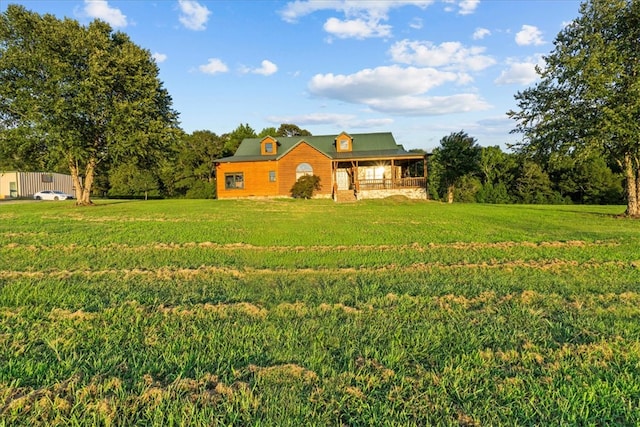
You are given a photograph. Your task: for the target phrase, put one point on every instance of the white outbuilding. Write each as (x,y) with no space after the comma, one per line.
(20,185)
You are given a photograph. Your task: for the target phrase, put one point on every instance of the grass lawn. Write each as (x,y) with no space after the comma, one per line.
(306,312)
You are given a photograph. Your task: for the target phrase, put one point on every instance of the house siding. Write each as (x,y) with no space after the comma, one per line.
(256,179)
(304,153)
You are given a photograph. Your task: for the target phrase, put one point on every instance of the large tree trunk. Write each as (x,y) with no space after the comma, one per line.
(83,188)
(631,186)
(637,186)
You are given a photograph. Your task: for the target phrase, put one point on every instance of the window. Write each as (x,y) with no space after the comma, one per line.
(303,169)
(344,145)
(234,181)
(268,147)
(272,176)
(47,177)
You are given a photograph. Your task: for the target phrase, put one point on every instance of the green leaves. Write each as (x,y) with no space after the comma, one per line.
(91,96)
(588,99)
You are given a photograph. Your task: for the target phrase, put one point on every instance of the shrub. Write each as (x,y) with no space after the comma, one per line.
(305,186)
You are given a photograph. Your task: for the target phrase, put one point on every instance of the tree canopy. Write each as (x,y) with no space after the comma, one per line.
(458,154)
(588,98)
(79,96)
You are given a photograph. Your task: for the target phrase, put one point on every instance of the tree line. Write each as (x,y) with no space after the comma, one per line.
(461,170)
(88,101)
(188,167)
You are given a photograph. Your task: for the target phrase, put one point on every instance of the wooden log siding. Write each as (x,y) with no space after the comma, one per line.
(256,174)
(304,153)
(256,179)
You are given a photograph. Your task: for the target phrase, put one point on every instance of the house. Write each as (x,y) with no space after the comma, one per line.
(15,185)
(350,167)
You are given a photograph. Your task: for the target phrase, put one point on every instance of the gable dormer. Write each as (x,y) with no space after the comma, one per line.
(344,143)
(268,146)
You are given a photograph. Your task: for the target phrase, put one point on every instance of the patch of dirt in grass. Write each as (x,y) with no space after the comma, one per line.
(224,310)
(14,234)
(283,374)
(59,313)
(339,306)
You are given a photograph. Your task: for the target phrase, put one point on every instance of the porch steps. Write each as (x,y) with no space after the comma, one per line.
(345,196)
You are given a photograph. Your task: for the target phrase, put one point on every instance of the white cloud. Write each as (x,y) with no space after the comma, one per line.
(520,72)
(382,82)
(159,57)
(450,55)
(356,28)
(193,15)
(100,9)
(214,66)
(362,18)
(529,35)
(341,121)
(376,8)
(396,90)
(481,33)
(467,7)
(431,106)
(267,68)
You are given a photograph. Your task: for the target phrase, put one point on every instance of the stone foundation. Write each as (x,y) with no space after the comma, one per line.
(409,193)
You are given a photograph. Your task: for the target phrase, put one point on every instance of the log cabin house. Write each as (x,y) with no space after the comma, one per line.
(350,167)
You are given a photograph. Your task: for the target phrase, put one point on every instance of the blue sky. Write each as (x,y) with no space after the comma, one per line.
(419,69)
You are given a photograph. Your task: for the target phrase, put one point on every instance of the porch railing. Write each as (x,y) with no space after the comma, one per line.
(390,184)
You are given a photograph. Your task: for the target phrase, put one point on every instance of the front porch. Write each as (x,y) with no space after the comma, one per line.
(359,179)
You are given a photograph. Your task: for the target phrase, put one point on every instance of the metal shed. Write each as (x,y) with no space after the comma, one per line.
(15,185)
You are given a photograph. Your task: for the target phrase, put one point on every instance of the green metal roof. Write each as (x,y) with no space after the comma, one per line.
(365,145)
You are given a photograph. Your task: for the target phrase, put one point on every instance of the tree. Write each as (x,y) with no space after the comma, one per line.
(270,131)
(588,99)
(81,96)
(586,180)
(194,166)
(534,186)
(288,129)
(457,155)
(129,179)
(234,138)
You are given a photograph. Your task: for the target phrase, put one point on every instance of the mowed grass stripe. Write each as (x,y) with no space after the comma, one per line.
(312,248)
(204,272)
(33,258)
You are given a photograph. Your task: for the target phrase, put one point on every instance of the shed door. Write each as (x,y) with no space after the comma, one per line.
(342,178)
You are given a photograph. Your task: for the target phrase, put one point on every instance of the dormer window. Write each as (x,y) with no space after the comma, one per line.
(344,143)
(268,146)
